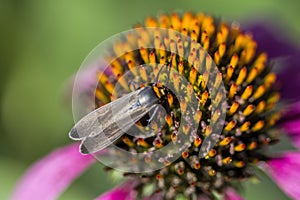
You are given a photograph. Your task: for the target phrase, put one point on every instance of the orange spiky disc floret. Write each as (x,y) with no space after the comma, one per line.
(250,93)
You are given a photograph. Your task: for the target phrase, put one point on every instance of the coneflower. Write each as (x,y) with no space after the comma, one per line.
(251,112)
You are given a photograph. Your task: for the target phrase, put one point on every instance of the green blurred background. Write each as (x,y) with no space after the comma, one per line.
(43,44)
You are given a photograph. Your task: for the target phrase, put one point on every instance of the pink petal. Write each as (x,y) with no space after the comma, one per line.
(86,77)
(292,127)
(230,194)
(50,176)
(126,192)
(285,171)
(123,192)
(155,196)
(290,123)
(292,130)
(271,39)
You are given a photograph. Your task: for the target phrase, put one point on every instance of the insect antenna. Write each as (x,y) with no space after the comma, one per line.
(169,66)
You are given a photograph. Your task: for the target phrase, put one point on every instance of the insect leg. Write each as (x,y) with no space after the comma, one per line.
(152,116)
(133,85)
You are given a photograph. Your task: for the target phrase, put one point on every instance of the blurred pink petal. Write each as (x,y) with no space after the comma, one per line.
(272,39)
(203,198)
(154,196)
(86,77)
(230,194)
(123,192)
(290,123)
(50,176)
(289,78)
(285,171)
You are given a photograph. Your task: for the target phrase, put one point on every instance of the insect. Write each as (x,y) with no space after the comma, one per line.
(103,126)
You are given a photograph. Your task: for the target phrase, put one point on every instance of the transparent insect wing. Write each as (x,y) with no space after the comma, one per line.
(106,124)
